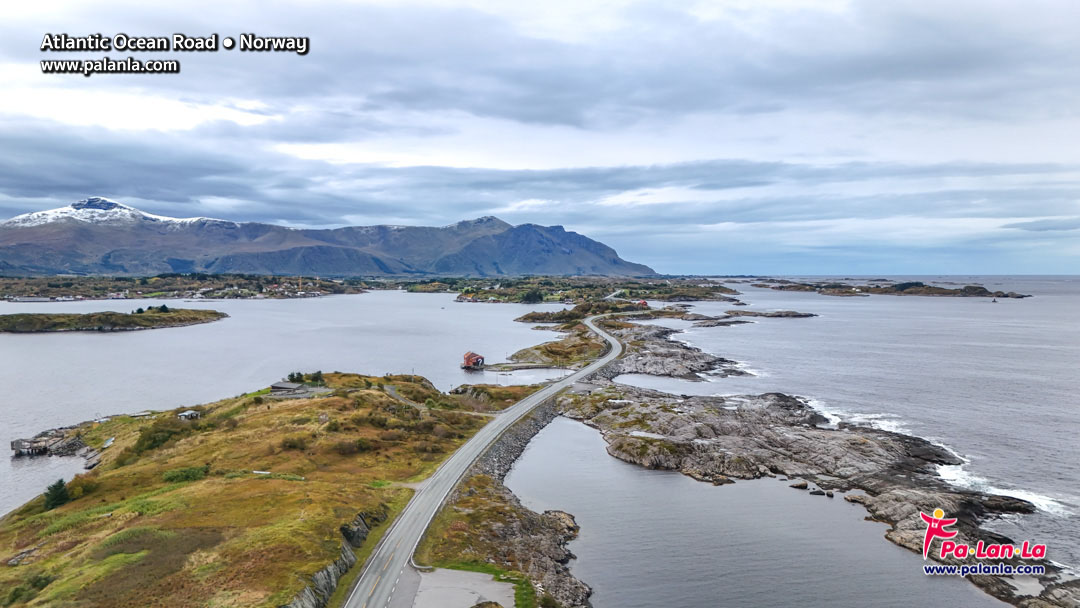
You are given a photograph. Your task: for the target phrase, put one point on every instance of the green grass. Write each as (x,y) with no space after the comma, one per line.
(379,483)
(524,593)
(86,576)
(139,504)
(139,533)
(76,519)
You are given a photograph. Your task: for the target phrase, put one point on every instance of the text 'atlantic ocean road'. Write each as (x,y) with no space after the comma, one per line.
(177,43)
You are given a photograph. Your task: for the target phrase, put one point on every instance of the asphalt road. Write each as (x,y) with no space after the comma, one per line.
(393,557)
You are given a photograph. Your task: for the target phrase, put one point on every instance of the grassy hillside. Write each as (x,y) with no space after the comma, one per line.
(577,348)
(154,318)
(176,514)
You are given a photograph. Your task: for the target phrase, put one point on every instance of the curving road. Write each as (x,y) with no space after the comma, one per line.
(392,558)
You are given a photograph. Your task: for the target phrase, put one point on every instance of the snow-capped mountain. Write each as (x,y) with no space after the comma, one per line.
(96,210)
(101,236)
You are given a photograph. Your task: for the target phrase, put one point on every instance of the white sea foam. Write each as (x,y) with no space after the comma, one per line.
(957,476)
(750,370)
(833,417)
(882,421)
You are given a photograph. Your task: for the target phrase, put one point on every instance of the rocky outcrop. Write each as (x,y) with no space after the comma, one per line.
(324,582)
(649,351)
(776,314)
(721,322)
(24,555)
(357,530)
(718,439)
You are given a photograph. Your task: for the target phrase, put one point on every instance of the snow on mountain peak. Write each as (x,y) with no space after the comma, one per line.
(97,202)
(97,210)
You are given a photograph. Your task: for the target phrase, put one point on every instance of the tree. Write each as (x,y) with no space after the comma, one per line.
(317,377)
(56,495)
(533,296)
(139,311)
(163,308)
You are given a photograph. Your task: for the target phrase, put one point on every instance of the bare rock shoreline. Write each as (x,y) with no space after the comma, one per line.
(651,352)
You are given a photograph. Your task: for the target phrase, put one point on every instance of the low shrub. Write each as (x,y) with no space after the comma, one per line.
(81,486)
(162,431)
(392,435)
(186,474)
(427,447)
(356,446)
(294,442)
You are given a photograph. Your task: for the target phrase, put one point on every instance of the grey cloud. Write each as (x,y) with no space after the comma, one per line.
(175,173)
(914,58)
(1072,223)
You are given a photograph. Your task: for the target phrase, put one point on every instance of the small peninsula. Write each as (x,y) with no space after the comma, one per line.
(265,499)
(155,317)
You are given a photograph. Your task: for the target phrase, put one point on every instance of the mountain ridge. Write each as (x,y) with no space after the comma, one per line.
(101,236)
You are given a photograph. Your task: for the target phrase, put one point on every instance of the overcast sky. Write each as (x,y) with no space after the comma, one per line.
(863,137)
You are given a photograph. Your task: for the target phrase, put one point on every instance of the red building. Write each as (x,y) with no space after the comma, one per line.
(473,361)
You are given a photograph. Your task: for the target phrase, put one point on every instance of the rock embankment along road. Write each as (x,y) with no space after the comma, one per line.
(392,558)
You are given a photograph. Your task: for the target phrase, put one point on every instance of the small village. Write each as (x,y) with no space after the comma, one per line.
(176,286)
(282,290)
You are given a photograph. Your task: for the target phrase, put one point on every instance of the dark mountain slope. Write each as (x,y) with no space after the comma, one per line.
(99,236)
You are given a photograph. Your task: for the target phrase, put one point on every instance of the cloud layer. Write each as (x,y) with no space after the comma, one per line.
(736,137)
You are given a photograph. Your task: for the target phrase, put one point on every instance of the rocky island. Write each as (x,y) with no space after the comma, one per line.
(886,287)
(154,317)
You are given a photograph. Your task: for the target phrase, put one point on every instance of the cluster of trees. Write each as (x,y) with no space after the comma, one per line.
(533,296)
(139,311)
(301,377)
(56,495)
